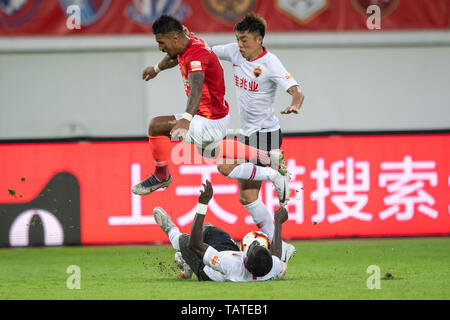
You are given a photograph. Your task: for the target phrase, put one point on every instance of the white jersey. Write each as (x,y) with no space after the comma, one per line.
(229,266)
(256,85)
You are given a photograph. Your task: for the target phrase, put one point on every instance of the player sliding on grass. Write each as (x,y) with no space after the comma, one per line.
(211,253)
(206,118)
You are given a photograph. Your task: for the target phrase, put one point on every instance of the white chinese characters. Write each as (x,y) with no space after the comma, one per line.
(405,181)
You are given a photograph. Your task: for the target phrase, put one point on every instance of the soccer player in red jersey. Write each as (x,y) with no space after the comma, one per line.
(206,119)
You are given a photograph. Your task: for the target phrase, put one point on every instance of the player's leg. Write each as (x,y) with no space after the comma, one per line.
(167,225)
(255,173)
(192,259)
(262,148)
(233,149)
(160,147)
(174,234)
(218,239)
(249,198)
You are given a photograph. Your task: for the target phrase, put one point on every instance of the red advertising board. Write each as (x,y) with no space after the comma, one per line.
(341,187)
(107,17)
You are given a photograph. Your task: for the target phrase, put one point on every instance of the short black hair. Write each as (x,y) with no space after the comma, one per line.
(253,24)
(259,262)
(166,24)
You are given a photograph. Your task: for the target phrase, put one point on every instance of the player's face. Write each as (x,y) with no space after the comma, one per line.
(168,43)
(250,45)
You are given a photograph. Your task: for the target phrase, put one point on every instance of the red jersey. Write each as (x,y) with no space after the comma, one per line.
(198,57)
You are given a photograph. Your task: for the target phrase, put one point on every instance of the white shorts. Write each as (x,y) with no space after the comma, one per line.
(206,133)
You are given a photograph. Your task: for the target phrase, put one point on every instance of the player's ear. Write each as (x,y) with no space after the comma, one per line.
(259,39)
(177,36)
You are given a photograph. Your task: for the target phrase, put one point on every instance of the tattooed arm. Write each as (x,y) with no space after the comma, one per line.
(196,80)
(181,126)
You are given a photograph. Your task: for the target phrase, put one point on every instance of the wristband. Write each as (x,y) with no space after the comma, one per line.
(187,116)
(157,69)
(202,208)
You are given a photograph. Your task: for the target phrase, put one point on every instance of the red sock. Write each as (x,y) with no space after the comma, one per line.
(233,149)
(161,147)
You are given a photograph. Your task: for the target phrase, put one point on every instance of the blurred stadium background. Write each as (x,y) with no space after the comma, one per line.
(369,149)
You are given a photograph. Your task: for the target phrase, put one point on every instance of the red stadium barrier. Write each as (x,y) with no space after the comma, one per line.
(107,17)
(347,186)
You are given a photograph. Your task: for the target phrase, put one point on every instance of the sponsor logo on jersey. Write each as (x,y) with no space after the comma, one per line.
(215,261)
(91,10)
(257,71)
(147,11)
(302,11)
(287,76)
(14,13)
(196,66)
(386,6)
(229,11)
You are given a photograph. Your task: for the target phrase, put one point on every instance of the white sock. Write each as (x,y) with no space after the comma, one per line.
(283,250)
(174,236)
(249,171)
(262,217)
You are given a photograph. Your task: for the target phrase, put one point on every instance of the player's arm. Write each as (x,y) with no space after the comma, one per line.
(280,216)
(181,126)
(297,100)
(196,80)
(166,63)
(225,52)
(196,243)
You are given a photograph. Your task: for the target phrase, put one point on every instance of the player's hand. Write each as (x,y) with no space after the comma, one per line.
(290,109)
(179,130)
(281,215)
(187,32)
(207,193)
(149,73)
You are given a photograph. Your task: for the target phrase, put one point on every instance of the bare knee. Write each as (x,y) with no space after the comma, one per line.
(225,169)
(154,127)
(245,198)
(159,126)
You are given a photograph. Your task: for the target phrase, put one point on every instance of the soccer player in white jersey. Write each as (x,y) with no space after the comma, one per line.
(257,74)
(213,256)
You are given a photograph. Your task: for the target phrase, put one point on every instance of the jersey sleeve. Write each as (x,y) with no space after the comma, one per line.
(225,52)
(218,261)
(197,61)
(280,75)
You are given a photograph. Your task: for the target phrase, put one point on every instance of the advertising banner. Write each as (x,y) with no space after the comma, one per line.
(107,17)
(366,186)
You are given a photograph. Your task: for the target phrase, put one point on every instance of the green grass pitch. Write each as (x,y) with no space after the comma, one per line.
(420,269)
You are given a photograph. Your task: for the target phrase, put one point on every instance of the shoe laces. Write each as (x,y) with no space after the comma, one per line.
(150,182)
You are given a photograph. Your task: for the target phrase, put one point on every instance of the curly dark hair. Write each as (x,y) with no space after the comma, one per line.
(253,24)
(166,24)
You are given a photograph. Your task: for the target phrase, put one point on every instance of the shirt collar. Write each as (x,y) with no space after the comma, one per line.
(261,55)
